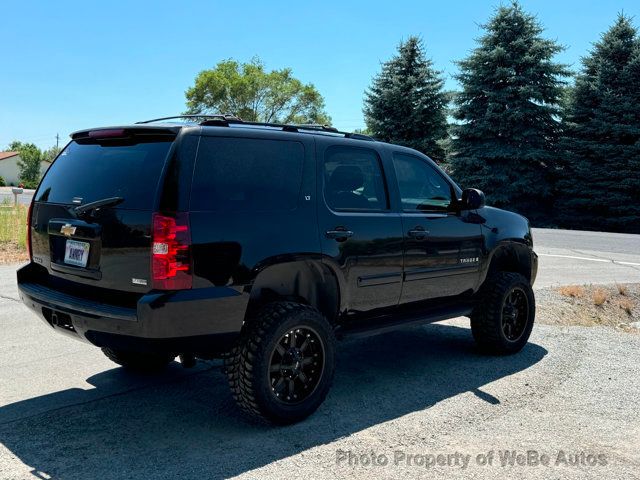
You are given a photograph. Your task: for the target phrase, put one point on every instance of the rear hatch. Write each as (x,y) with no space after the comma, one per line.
(91,223)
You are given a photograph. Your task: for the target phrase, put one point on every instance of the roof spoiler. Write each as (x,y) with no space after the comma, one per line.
(124,133)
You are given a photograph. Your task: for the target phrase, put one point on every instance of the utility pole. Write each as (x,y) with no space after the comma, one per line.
(57,140)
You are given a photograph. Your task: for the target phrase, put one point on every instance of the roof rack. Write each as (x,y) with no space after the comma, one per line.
(220,120)
(203,116)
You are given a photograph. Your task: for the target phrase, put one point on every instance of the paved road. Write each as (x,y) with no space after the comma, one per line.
(6,196)
(574,257)
(67,413)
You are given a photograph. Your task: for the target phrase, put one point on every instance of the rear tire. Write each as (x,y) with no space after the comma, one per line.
(138,361)
(502,321)
(282,366)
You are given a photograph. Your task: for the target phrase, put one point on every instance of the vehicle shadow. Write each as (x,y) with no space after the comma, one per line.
(188,426)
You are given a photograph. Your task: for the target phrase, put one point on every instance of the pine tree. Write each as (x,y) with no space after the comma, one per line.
(600,183)
(406,104)
(505,140)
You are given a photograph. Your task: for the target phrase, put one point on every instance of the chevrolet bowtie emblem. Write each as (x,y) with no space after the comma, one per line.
(67,230)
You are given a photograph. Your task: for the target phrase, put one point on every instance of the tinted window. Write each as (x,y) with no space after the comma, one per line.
(353,179)
(239,174)
(95,172)
(421,186)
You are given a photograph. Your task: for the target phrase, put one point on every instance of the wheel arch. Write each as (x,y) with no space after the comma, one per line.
(510,256)
(302,280)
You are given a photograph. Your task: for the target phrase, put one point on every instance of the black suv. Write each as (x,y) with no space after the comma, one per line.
(261,244)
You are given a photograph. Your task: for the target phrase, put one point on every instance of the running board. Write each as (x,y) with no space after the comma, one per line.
(383,324)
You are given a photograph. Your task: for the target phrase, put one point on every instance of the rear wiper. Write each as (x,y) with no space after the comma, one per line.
(105,202)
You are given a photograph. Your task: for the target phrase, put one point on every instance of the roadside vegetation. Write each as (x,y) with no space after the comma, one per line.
(13,233)
(616,306)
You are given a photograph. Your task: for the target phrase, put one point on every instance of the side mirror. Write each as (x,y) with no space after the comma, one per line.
(472,199)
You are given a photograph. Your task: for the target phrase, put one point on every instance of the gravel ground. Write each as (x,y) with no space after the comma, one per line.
(572,392)
(412,398)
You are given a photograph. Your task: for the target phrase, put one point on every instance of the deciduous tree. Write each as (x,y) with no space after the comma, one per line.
(29,163)
(248,91)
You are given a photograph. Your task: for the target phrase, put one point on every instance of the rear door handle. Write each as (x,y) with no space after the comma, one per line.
(418,233)
(339,234)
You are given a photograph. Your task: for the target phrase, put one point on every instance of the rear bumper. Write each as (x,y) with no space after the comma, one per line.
(190,321)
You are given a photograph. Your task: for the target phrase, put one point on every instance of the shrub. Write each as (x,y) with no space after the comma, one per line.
(571,291)
(32,184)
(600,296)
(2,182)
(627,305)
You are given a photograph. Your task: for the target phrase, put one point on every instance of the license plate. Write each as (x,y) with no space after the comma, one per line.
(76,253)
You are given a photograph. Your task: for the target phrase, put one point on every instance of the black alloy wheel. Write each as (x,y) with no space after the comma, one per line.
(297,364)
(515,314)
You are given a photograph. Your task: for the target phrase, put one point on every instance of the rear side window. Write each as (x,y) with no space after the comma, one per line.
(247,175)
(94,172)
(353,179)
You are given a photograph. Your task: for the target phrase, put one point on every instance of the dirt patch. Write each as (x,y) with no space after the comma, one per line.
(616,306)
(11,252)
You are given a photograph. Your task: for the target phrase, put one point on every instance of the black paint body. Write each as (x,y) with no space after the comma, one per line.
(380,275)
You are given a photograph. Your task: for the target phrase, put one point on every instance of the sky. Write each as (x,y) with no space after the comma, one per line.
(74,65)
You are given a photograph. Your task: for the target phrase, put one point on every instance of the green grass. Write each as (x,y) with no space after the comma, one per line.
(13,225)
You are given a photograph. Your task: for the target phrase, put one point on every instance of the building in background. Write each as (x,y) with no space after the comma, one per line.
(9,169)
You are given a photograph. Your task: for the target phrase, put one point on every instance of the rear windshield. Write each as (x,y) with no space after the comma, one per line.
(95,172)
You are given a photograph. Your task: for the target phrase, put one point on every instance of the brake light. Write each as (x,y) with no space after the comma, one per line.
(29,213)
(107,133)
(171,255)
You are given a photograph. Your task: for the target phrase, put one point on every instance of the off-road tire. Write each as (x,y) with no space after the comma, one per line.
(487,317)
(139,361)
(248,365)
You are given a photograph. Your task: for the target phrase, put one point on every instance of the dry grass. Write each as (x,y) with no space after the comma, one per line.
(591,305)
(13,233)
(622,289)
(12,253)
(600,296)
(574,291)
(627,305)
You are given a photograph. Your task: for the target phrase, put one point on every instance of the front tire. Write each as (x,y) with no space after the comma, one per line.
(502,321)
(282,367)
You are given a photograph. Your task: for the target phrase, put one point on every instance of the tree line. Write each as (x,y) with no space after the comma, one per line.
(559,148)
(561,153)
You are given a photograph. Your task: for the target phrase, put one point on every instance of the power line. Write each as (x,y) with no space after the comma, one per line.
(30,139)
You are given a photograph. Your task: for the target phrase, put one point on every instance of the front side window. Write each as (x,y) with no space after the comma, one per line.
(421,187)
(353,180)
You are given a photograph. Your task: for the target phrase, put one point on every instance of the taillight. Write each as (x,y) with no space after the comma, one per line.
(171,255)
(29,213)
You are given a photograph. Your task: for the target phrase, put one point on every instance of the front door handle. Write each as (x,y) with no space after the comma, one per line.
(340,234)
(418,233)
